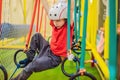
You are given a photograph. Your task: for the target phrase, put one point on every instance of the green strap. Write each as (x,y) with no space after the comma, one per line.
(112,40)
(68,25)
(84,35)
(79,15)
(75,21)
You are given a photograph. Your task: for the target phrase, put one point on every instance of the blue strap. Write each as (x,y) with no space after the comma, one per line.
(18,66)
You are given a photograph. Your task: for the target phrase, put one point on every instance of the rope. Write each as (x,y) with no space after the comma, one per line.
(68,26)
(75,21)
(0,11)
(18,66)
(45,26)
(38,16)
(84,35)
(0,15)
(41,19)
(31,25)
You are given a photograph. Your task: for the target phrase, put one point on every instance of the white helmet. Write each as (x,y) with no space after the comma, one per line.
(58,11)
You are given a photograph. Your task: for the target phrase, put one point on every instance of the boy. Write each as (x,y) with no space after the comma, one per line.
(50,55)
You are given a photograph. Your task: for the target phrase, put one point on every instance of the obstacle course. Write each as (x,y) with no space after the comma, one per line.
(95,33)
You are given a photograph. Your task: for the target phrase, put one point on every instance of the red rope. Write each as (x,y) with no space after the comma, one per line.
(0,11)
(41,19)
(31,25)
(45,26)
(0,15)
(54,2)
(37,29)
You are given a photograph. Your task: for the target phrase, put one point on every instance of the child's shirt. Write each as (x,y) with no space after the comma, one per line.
(58,43)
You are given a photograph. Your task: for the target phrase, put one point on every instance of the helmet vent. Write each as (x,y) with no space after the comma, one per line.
(58,11)
(55,14)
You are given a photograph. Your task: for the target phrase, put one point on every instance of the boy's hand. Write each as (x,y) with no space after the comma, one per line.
(70,56)
(25,50)
(82,71)
(118,30)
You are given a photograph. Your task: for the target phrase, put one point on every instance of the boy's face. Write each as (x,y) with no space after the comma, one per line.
(59,23)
